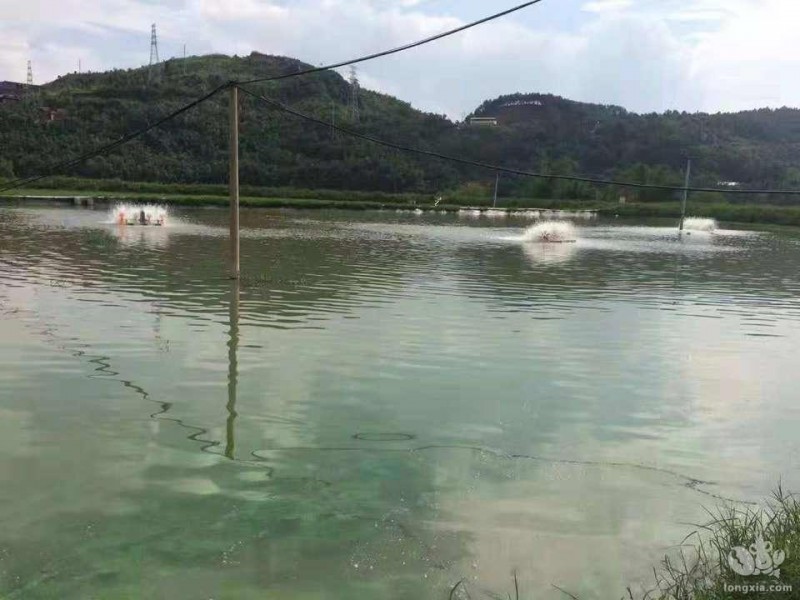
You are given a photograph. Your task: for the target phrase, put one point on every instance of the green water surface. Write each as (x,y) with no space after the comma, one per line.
(386,405)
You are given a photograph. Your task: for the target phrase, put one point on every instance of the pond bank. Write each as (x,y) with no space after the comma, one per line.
(730,213)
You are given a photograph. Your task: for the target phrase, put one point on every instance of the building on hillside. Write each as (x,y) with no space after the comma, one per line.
(11,91)
(490,121)
(523,103)
(50,115)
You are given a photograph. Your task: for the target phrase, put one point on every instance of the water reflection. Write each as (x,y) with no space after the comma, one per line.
(382,409)
(151,237)
(233,370)
(549,254)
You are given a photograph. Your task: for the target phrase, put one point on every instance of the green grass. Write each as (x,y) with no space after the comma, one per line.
(191,195)
(291,199)
(732,213)
(701,571)
(202,200)
(699,568)
(130,189)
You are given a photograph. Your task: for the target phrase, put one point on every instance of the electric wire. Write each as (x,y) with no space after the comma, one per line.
(399,49)
(497,168)
(51,169)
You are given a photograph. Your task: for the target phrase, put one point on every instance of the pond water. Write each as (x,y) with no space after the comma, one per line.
(386,405)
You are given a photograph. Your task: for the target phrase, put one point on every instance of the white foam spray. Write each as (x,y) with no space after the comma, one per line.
(551,232)
(700,224)
(131,214)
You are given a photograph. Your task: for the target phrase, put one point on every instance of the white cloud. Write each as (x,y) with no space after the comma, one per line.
(600,6)
(647,55)
(14,52)
(634,62)
(751,59)
(240,10)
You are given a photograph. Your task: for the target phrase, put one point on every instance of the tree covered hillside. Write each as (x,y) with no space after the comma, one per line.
(92,109)
(536,132)
(759,149)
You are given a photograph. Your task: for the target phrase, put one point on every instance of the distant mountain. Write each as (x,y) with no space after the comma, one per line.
(534,132)
(759,148)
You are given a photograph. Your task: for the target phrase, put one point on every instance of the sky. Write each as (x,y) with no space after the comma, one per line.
(645,55)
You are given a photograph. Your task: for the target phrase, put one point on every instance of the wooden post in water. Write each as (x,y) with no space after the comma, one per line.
(496,187)
(233,181)
(233,371)
(685,193)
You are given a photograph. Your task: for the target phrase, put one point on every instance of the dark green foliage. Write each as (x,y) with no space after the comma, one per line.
(6,169)
(732,213)
(276,150)
(541,133)
(757,148)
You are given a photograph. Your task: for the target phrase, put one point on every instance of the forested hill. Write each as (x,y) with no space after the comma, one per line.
(759,148)
(537,132)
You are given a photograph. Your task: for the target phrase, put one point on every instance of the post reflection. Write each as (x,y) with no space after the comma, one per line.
(150,237)
(233,370)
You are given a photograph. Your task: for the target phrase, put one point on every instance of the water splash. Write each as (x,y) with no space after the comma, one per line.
(549,254)
(131,214)
(551,232)
(700,224)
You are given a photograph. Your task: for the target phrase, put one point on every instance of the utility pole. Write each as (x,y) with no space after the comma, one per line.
(153,53)
(333,119)
(29,94)
(233,181)
(685,193)
(354,89)
(496,187)
(79,66)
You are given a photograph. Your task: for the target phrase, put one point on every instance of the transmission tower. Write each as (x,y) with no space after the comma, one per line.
(152,72)
(354,90)
(30,74)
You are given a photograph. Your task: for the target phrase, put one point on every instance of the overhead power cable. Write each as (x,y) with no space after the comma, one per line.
(497,168)
(399,49)
(53,168)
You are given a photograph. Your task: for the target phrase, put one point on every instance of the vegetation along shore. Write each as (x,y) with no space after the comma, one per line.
(197,195)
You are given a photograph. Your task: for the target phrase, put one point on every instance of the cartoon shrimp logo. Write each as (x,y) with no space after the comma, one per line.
(758,559)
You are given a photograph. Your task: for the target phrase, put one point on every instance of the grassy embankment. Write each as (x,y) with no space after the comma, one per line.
(217,195)
(190,195)
(731,213)
(701,568)
(760,539)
